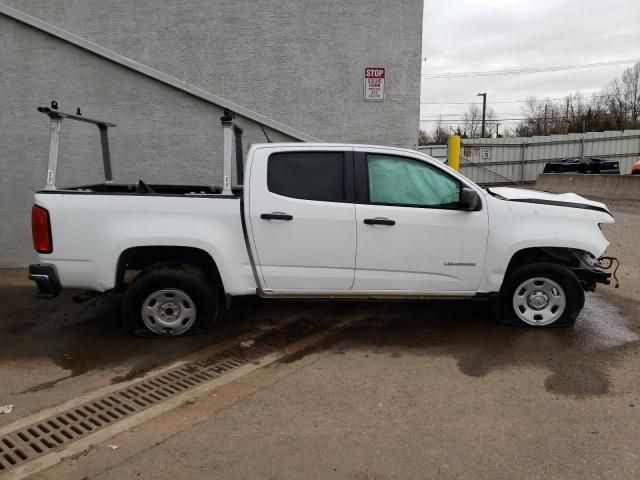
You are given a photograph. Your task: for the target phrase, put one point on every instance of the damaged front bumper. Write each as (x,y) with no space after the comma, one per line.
(591,273)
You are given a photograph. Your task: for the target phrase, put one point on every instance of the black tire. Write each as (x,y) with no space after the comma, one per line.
(189,284)
(506,313)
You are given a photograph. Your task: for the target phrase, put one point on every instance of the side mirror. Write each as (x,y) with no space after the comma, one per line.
(469,200)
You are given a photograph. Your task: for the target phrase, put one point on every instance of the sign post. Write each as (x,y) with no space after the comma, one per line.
(374,78)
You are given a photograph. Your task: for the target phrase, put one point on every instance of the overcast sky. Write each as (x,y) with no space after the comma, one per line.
(481,35)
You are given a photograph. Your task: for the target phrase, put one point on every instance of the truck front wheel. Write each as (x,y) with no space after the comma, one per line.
(540,295)
(170,301)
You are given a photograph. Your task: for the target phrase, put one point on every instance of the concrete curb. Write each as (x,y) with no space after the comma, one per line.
(625,187)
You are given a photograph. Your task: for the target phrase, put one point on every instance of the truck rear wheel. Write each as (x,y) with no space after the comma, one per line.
(170,301)
(540,295)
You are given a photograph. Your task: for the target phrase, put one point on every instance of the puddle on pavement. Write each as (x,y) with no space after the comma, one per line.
(578,380)
(577,357)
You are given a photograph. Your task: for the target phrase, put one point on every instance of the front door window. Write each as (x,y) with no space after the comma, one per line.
(406,182)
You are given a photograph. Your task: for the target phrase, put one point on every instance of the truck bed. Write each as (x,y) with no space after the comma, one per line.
(91,227)
(142,188)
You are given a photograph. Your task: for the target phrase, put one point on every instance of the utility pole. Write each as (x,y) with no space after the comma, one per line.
(484,111)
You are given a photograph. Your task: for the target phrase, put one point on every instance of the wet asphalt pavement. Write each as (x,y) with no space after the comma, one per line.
(51,350)
(54,350)
(578,359)
(411,390)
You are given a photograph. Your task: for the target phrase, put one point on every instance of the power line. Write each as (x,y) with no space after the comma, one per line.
(598,114)
(459,115)
(526,70)
(557,117)
(466,103)
(462,120)
(510,101)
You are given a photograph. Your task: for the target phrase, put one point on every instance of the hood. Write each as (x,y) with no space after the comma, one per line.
(570,200)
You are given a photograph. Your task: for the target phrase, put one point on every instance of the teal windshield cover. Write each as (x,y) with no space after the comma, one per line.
(402,181)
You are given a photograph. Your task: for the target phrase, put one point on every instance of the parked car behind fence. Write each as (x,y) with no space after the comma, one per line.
(583,165)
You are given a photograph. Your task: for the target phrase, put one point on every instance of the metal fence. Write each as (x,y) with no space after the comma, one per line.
(522,159)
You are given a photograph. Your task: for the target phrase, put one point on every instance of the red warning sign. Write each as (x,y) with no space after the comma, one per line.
(374,83)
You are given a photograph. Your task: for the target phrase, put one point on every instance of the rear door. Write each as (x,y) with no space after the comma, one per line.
(412,237)
(302,218)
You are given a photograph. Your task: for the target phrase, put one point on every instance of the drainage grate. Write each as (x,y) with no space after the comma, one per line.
(24,445)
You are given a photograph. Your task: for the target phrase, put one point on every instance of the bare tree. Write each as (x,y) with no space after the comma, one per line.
(631,82)
(543,117)
(616,107)
(623,98)
(438,136)
(506,132)
(423,137)
(440,133)
(472,121)
(490,121)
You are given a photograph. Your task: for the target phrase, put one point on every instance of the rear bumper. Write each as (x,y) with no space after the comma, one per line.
(46,278)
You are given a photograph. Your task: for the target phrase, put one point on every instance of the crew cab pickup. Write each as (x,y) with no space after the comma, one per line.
(315,220)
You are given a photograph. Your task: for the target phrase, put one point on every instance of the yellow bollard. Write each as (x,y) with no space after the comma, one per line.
(453,152)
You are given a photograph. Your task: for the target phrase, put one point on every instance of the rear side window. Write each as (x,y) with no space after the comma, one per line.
(307,175)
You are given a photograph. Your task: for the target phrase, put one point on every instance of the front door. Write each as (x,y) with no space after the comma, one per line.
(411,235)
(303,219)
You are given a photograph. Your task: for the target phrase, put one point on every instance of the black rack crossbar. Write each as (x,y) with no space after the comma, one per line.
(239,155)
(56,117)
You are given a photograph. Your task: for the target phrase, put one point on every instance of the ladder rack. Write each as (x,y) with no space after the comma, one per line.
(232,134)
(56,117)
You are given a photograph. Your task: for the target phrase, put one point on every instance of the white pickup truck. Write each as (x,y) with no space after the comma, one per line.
(315,221)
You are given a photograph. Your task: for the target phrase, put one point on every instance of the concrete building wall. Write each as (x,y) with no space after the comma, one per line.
(300,63)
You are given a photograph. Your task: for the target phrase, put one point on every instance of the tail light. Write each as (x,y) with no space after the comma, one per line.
(41,229)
